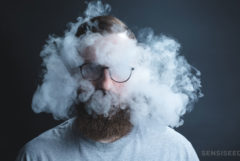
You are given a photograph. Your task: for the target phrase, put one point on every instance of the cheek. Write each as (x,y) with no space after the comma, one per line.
(119,88)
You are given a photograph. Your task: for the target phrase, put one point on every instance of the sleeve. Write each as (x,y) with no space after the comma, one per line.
(191,154)
(183,147)
(186,151)
(25,155)
(28,153)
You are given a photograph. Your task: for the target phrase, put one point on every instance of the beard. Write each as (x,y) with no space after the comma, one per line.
(102,118)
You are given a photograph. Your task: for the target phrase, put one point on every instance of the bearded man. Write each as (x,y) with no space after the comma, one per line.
(102,128)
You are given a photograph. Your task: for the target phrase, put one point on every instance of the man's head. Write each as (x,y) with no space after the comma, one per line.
(110,118)
(104,25)
(82,68)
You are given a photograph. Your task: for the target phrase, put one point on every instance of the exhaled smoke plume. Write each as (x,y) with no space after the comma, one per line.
(162,87)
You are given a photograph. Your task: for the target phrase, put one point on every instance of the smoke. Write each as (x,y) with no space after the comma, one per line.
(162,88)
(96,9)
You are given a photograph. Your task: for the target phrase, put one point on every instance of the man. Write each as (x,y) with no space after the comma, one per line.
(103,128)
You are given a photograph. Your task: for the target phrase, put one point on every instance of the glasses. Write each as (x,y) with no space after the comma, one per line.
(93,72)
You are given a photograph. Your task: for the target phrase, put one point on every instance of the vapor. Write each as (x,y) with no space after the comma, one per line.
(162,88)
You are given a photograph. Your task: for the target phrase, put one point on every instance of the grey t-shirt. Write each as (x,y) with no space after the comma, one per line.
(62,144)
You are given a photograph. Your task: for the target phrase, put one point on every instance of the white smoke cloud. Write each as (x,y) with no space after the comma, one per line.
(162,88)
(96,9)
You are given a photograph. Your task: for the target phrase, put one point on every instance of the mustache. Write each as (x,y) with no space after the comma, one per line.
(99,102)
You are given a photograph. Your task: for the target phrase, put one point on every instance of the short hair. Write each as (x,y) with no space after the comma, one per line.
(104,24)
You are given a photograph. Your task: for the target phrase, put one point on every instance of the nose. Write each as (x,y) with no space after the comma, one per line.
(105,83)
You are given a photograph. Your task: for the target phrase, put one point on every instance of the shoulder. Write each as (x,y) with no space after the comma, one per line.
(47,143)
(180,145)
(175,137)
(171,144)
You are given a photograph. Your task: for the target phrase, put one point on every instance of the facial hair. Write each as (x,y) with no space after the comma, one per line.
(115,124)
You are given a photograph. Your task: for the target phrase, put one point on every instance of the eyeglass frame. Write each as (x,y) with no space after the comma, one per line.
(101,75)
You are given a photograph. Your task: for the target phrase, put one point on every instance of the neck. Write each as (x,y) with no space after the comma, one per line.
(109,140)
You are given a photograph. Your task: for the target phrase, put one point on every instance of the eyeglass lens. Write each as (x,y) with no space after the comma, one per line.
(93,72)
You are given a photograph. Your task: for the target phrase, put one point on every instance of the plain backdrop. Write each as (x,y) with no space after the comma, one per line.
(208,31)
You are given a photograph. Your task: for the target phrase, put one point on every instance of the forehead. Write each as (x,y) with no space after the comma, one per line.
(104,47)
(112,50)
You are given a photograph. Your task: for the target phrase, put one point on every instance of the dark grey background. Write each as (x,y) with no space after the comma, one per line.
(208,31)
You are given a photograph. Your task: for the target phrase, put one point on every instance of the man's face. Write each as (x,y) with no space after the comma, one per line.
(104,81)
(106,68)
(105,108)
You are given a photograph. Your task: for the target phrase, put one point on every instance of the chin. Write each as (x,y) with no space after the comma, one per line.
(99,127)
